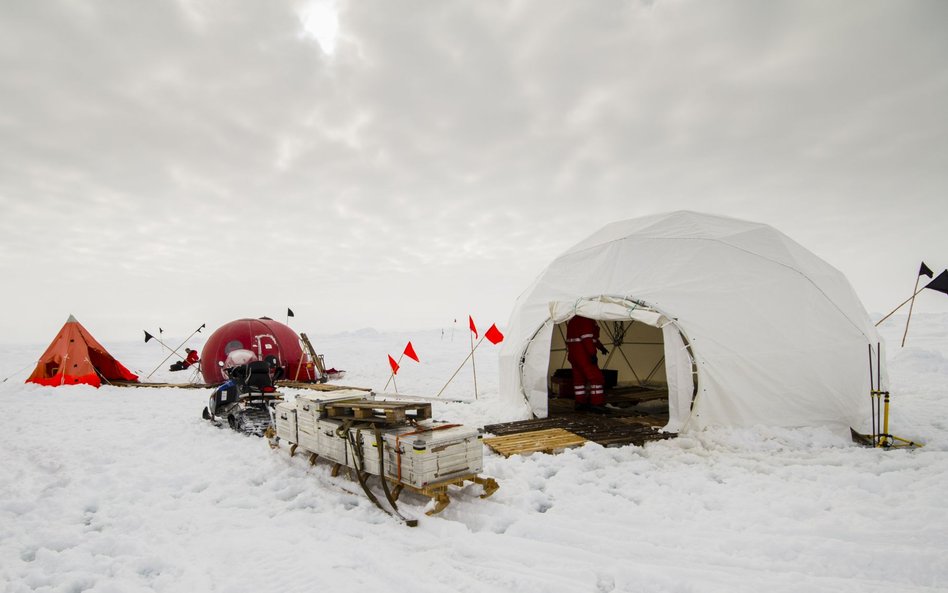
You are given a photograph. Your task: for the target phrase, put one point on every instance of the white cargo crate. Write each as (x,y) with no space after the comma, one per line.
(309,408)
(305,423)
(364,437)
(329,445)
(421,457)
(308,442)
(285,413)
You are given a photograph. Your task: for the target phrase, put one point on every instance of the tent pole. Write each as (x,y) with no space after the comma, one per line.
(879,366)
(559,328)
(879,393)
(616,342)
(655,368)
(912,306)
(872,397)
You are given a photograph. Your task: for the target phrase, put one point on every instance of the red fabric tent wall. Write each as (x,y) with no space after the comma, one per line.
(74,356)
(264,337)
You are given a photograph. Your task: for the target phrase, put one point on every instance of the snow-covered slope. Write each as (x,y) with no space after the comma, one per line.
(125,490)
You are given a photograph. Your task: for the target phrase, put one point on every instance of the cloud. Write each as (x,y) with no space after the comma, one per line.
(203,160)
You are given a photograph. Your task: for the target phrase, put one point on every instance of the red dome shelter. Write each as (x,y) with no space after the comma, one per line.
(264,337)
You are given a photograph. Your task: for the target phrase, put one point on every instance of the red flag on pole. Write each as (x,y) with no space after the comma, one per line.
(473,328)
(494,335)
(393,364)
(410,352)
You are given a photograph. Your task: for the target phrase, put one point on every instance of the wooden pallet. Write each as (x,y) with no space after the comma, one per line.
(382,412)
(318,386)
(550,440)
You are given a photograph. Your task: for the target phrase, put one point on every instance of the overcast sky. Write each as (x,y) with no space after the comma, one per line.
(170,163)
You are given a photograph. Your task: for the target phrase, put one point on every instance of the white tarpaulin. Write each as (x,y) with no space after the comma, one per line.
(777,336)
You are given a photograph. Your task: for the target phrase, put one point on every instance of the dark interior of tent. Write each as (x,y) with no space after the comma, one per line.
(636,385)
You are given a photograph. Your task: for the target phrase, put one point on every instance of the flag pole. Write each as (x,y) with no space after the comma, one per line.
(473,366)
(459,368)
(175,351)
(912,306)
(165,345)
(892,312)
(391,377)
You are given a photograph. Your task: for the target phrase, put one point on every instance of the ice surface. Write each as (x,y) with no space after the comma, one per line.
(126,490)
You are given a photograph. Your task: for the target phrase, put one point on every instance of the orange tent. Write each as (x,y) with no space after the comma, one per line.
(76,357)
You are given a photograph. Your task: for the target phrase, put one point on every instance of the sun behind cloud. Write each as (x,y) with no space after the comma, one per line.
(320,20)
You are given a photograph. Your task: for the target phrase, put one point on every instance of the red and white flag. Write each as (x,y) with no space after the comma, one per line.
(410,352)
(493,334)
(393,364)
(471,322)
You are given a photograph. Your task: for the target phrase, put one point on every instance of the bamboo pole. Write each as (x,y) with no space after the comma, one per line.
(166,346)
(473,366)
(878,323)
(460,367)
(912,306)
(391,376)
(175,351)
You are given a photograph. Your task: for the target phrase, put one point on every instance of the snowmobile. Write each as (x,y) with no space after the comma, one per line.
(246,399)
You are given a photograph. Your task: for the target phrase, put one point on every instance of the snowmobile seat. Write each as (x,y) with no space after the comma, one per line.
(258,376)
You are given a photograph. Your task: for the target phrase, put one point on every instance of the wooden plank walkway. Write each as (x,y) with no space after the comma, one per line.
(550,440)
(289,384)
(317,386)
(600,429)
(143,384)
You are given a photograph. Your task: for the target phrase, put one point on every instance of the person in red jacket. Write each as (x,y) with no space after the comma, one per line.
(191,358)
(582,341)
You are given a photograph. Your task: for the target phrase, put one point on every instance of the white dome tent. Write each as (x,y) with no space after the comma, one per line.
(748,326)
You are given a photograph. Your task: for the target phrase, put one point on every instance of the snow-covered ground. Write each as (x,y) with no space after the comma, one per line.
(126,490)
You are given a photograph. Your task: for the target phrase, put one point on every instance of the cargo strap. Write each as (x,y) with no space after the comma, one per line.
(355,444)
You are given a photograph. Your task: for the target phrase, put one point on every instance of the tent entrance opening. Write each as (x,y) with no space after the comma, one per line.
(636,384)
